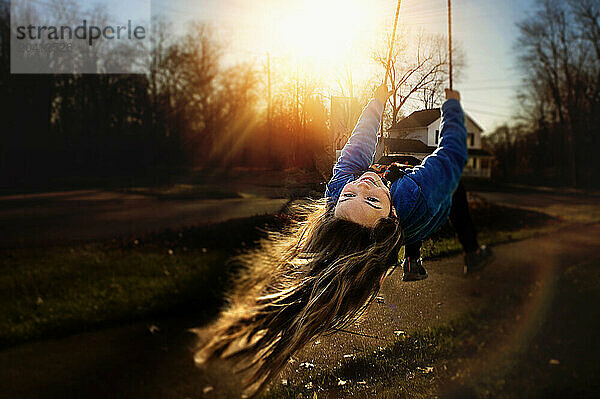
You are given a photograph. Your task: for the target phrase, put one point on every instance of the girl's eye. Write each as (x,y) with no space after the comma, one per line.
(349,195)
(372,199)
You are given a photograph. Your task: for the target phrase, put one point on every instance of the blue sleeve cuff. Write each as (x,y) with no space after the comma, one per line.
(452,105)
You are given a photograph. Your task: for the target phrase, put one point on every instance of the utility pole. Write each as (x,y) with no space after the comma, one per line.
(297,95)
(297,127)
(450,40)
(305,96)
(269,130)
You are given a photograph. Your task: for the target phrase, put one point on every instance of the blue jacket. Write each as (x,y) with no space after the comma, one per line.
(423,195)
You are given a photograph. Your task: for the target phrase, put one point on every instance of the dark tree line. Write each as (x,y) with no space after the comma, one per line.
(192,109)
(556,136)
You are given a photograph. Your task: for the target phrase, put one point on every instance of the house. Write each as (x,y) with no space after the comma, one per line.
(418,135)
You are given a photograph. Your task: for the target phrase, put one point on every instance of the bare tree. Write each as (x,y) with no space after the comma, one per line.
(416,71)
(560,53)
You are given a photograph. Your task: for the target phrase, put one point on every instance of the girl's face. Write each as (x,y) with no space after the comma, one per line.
(364,200)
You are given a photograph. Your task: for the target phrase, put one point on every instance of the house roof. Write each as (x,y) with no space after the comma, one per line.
(418,119)
(423,118)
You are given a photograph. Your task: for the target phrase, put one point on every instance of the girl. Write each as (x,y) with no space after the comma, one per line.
(322,272)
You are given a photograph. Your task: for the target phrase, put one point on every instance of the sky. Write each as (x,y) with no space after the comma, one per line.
(332,34)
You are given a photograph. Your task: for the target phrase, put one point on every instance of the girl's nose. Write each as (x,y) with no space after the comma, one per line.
(362,185)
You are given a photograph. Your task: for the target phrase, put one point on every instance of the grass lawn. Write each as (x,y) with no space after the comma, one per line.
(48,292)
(52,291)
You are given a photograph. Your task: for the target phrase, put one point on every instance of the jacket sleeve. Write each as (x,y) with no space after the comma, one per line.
(357,155)
(439,173)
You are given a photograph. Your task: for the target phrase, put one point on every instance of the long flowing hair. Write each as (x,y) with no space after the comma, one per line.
(313,278)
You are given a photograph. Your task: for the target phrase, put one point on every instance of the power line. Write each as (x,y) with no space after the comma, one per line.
(491,88)
(474,110)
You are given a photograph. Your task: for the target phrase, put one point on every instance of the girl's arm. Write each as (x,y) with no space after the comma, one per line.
(357,155)
(439,173)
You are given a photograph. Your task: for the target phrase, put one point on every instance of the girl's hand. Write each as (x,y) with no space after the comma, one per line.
(382,93)
(452,94)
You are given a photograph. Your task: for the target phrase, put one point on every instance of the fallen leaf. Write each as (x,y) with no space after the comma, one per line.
(380,299)
(207,389)
(309,385)
(153,329)
(307,365)
(284,382)
(554,362)
(425,370)
(341,382)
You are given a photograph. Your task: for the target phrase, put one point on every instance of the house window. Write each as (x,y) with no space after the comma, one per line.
(437,136)
(471,137)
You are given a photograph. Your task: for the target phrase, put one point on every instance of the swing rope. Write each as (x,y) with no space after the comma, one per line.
(393,38)
(389,60)
(450,42)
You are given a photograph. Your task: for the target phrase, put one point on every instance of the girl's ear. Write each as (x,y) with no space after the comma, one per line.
(393,213)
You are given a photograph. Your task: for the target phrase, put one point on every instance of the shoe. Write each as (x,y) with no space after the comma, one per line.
(413,270)
(477,260)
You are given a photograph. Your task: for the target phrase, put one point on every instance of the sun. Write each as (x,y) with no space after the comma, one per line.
(324,30)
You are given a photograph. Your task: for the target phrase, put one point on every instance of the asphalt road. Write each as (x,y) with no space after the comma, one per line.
(569,207)
(87,215)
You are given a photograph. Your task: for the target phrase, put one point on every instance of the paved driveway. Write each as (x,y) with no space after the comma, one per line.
(75,216)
